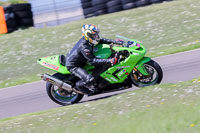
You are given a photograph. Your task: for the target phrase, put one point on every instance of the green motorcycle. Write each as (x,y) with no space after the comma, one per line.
(133,68)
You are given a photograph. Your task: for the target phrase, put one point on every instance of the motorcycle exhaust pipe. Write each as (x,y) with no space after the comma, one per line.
(57,82)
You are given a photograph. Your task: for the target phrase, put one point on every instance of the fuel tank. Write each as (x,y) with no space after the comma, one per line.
(102,51)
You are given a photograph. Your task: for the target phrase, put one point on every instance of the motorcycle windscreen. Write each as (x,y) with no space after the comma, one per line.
(102,51)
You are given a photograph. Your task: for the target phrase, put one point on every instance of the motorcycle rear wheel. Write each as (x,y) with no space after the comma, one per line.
(155,75)
(61,96)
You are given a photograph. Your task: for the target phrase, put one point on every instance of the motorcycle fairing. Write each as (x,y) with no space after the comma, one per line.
(140,65)
(102,51)
(119,72)
(115,74)
(52,62)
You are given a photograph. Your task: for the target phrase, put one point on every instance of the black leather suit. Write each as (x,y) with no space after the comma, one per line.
(82,53)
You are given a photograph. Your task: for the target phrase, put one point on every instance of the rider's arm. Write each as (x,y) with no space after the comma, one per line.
(87,53)
(109,41)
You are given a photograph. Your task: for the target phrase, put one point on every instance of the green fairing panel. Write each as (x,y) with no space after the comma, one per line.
(119,72)
(140,65)
(52,62)
(102,51)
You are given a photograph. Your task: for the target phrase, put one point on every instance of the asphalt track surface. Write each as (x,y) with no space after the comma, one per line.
(32,97)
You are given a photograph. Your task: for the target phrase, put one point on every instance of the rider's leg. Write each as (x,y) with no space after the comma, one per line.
(85,78)
(98,70)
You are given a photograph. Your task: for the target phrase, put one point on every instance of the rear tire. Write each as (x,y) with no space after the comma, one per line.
(24,14)
(100,12)
(156,1)
(86,5)
(11,23)
(25,22)
(115,9)
(21,7)
(98,2)
(8,9)
(142,3)
(88,11)
(113,3)
(58,97)
(155,75)
(129,6)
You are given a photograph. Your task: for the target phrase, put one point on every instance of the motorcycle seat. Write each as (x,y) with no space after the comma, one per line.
(62,60)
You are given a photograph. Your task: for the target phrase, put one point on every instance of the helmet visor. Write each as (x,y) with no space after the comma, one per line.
(94,36)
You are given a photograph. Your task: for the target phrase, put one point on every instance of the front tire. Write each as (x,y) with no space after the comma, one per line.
(61,96)
(155,75)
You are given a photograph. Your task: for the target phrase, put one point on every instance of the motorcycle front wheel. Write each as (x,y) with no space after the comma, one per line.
(155,75)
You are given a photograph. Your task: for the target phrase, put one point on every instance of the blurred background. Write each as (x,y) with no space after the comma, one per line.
(47,13)
(163,27)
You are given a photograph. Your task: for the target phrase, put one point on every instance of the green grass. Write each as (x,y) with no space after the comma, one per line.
(164,29)
(167,108)
(8,2)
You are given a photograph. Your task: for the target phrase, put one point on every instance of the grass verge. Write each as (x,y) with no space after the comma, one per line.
(162,108)
(8,2)
(164,28)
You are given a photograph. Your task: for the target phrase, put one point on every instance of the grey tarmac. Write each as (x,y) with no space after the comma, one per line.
(32,97)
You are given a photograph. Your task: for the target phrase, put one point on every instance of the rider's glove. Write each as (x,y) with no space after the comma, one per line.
(113,60)
(119,43)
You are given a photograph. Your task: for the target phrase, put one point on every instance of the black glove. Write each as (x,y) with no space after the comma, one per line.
(118,42)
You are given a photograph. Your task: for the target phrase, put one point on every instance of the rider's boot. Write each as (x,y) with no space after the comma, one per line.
(82,89)
(85,89)
(85,81)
